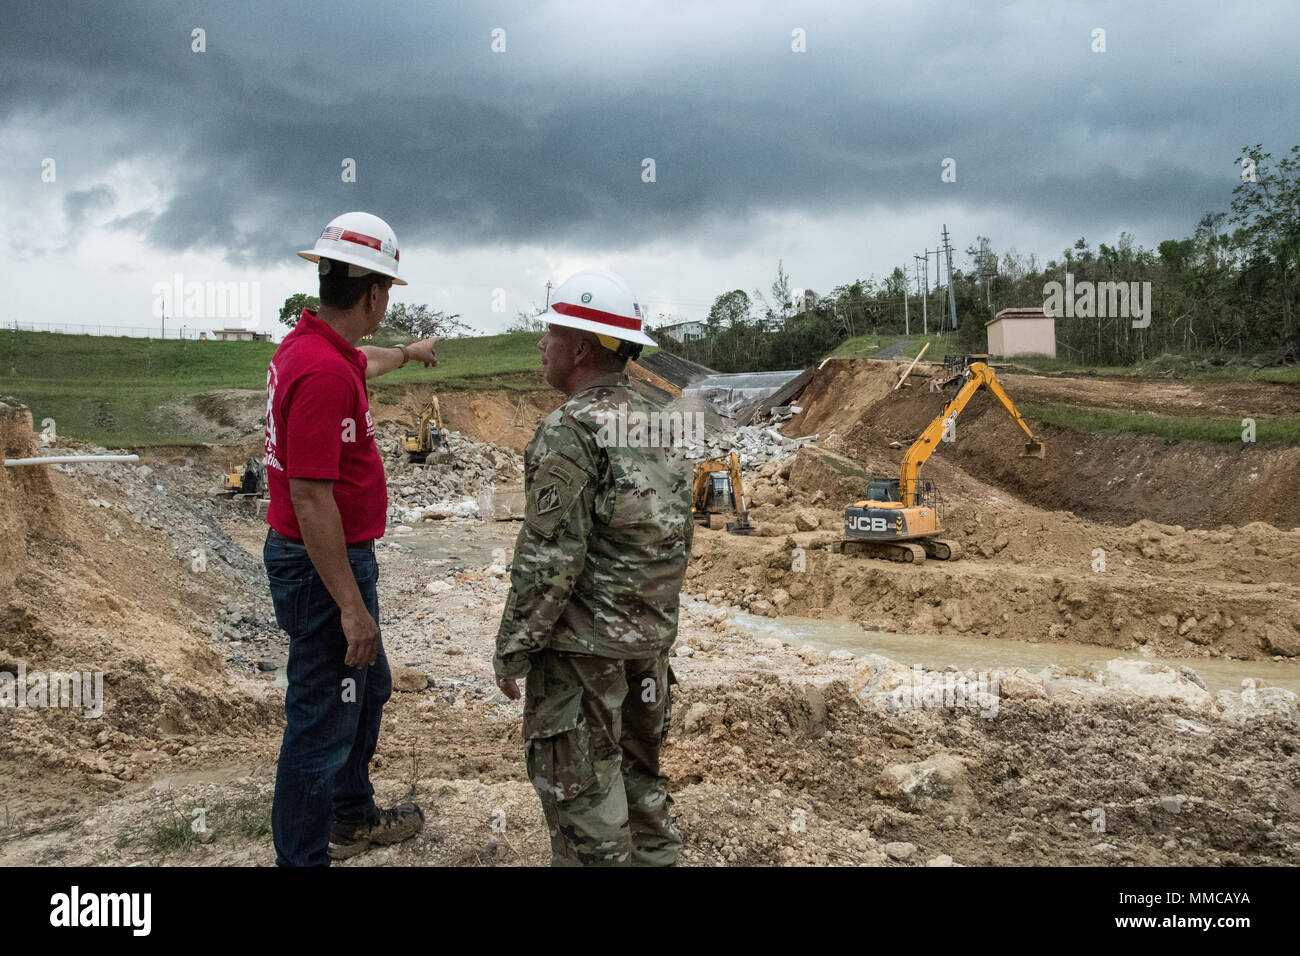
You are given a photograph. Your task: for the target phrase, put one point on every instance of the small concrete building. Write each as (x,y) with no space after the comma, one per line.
(238,335)
(1021,332)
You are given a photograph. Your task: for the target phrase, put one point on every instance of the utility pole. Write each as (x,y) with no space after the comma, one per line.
(952,298)
(907,324)
(548,296)
(924,288)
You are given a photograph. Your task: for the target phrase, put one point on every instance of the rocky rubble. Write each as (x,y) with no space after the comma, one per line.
(753,444)
(235,580)
(190,526)
(439,487)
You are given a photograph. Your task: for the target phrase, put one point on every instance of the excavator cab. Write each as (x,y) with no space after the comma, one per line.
(250,481)
(883,489)
(718,491)
(886,490)
(719,495)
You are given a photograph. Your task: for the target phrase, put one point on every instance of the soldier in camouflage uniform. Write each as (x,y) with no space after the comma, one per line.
(592,610)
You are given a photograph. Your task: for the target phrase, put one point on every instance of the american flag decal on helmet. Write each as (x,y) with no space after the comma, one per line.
(333,232)
(636,310)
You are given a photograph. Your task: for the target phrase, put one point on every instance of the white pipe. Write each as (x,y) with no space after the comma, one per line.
(63,459)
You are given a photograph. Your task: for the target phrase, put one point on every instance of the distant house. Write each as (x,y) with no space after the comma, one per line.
(683,330)
(1021,332)
(804,300)
(236,335)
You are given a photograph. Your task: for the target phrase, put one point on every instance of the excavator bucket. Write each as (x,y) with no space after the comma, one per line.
(1033,449)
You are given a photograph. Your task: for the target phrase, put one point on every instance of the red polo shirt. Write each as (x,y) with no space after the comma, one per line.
(318,425)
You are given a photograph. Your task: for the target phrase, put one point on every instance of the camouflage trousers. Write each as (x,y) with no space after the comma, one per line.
(593,727)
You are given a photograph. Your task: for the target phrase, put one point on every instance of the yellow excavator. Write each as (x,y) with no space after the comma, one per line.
(429,438)
(250,481)
(717,492)
(900,519)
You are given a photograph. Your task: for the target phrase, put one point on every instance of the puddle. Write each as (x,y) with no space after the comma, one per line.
(446,545)
(968,653)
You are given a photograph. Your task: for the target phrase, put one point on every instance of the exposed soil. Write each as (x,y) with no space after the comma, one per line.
(779,754)
(1115,479)
(501,416)
(774,759)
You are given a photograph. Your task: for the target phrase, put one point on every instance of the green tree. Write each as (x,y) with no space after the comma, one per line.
(422,321)
(293,306)
(730,308)
(781,291)
(1266,206)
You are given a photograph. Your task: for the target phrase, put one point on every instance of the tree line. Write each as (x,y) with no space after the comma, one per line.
(402,318)
(1232,287)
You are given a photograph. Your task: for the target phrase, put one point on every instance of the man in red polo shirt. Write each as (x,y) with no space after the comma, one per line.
(329,502)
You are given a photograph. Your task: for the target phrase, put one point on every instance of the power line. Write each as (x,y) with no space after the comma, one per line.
(952,298)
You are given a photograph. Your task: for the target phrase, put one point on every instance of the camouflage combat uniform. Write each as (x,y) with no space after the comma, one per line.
(590,619)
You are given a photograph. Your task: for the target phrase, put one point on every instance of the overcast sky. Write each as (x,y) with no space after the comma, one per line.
(500,170)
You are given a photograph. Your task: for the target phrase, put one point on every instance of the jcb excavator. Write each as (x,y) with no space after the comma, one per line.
(428,437)
(717,492)
(900,518)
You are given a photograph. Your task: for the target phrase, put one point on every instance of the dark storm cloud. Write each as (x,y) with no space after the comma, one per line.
(459,146)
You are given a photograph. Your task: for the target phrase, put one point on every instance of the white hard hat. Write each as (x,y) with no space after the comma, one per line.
(598,302)
(365,242)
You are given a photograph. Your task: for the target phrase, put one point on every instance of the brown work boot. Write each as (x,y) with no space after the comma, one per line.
(384,829)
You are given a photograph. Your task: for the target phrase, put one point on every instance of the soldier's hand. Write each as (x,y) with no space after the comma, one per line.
(425,350)
(362,634)
(509,686)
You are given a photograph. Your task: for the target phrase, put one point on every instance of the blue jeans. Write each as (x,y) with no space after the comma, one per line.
(332,711)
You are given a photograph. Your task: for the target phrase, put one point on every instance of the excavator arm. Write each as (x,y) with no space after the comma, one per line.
(737,485)
(423,427)
(978,376)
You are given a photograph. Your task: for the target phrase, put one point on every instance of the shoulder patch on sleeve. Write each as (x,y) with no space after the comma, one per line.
(556,487)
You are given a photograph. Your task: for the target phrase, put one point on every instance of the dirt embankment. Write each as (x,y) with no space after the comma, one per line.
(1188,549)
(1116,479)
(91,585)
(500,416)
(1151,594)
(235,418)
(27,500)
(776,756)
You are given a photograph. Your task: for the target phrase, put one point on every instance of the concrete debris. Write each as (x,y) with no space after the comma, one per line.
(753,444)
(447,484)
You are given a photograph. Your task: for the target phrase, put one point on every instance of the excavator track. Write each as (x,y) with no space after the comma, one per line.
(903,551)
(941,549)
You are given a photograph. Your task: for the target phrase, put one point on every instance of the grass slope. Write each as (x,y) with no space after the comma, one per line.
(112,390)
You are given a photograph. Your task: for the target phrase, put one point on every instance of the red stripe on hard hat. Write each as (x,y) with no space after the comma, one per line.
(363,240)
(595,315)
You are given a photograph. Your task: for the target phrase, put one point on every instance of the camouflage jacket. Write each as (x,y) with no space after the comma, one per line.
(599,561)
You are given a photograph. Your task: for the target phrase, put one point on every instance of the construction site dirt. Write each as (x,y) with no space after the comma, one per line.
(1120,563)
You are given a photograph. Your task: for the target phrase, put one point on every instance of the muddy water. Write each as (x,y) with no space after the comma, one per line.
(978,654)
(455,546)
